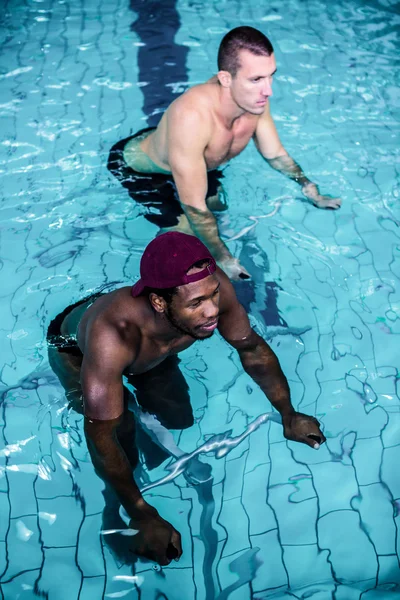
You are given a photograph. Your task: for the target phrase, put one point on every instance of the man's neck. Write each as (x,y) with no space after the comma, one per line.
(164,330)
(227,110)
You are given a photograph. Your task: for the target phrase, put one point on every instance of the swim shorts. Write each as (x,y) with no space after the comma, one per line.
(67,343)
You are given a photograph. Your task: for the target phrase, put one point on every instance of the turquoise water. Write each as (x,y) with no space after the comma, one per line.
(277,519)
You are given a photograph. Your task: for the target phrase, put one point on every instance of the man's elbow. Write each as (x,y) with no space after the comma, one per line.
(250,343)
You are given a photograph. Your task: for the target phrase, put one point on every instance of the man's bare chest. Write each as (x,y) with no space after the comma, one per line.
(228,143)
(152,354)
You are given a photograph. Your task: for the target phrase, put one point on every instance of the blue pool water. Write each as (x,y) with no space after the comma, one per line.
(277,520)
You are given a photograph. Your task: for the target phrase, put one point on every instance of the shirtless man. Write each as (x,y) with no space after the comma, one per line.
(201,131)
(134,331)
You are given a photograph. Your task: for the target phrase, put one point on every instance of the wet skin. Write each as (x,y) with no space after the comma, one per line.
(209,125)
(118,335)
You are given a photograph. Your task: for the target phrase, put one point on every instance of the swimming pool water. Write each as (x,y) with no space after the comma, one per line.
(277,520)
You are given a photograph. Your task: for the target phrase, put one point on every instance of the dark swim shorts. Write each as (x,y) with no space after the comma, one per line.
(155,191)
(67,343)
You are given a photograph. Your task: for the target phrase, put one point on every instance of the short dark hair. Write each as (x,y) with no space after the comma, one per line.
(241,38)
(166,293)
(169,293)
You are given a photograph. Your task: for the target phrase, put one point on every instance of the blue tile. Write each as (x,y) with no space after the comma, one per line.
(261,515)
(367,460)
(382,531)
(389,472)
(237,529)
(24,551)
(93,588)
(340,533)
(62,562)
(64,529)
(22,494)
(5,510)
(272,573)
(389,571)
(236,572)
(69,77)
(3,556)
(21,586)
(307,566)
(336,476)
(89,555)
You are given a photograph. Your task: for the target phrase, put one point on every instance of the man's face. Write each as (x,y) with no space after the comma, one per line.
(194,309)
(252,85)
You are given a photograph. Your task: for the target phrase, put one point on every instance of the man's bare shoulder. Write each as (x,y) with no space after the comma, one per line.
(115,316)
(197,103)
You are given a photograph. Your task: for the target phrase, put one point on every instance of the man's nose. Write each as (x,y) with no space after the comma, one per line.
(211,309)
(268,88)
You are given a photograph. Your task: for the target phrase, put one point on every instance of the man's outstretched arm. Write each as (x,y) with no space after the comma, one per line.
(105,359)
(187,140)
(261,363)
(270,147)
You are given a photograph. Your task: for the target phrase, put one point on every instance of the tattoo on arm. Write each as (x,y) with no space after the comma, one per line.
(204,225)
(287,166)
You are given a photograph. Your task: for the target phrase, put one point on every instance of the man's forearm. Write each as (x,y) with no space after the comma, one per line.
(204,225)
(112,464)
(289,167)
(261,363)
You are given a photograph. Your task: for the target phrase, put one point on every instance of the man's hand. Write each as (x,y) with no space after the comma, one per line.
(232,267)
(303,428)
(311,192)
(156,539)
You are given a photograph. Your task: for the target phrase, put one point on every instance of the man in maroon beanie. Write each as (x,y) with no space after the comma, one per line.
(137,332)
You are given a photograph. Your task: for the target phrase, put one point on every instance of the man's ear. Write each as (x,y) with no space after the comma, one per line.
(158,303)
(225,78)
